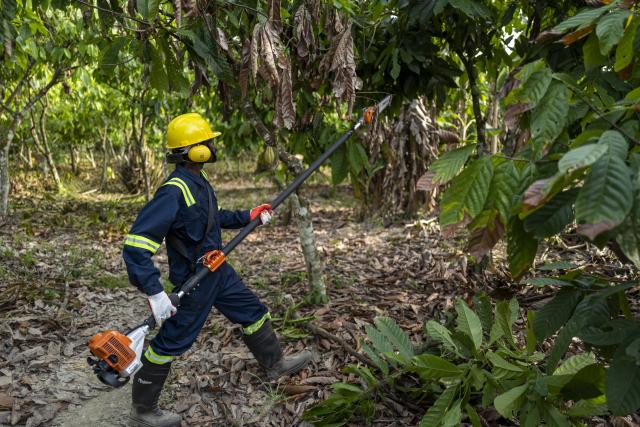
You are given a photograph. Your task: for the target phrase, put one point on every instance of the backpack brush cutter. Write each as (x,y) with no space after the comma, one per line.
(117,356)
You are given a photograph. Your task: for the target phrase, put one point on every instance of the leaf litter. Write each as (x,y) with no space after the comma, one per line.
(405,271)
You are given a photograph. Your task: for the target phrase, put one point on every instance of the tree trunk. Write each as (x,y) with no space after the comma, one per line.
(103,175)
(475,98)
(91,157)
(74,159)
(309,251)
(4,179)
(305,227)
(41,141)
(494,114)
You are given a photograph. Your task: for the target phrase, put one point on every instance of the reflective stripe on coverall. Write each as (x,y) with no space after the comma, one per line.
(180,207)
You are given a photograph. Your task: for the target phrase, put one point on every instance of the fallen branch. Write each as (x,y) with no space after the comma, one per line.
(316,330)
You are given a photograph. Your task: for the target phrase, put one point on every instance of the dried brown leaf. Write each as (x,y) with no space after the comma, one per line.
(574,36)
(274,15)
(254,52)
(448,137)
(547,36)
(512,114)
(591,231)
(243,78)
(304,33)
(285,109)
(535,195)
(483,239)
(425,183)
(293,389)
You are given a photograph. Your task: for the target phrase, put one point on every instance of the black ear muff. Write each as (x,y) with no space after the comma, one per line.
(174,157)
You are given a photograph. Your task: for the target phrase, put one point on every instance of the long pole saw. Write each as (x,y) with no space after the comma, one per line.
(116,356)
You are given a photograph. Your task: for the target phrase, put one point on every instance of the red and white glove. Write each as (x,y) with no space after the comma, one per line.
(263,211)
(161,307)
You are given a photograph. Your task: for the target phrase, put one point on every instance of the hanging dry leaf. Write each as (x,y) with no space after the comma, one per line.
(221,39)
(285,110)
(243,78)
(274,15)
(254,52)
(270,48)
(304,33)
(339,60)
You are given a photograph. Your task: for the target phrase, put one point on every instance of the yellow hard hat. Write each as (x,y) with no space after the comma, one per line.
(188,129)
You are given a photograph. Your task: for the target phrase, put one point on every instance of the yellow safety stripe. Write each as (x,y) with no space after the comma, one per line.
(186,193)
(204,174)
(257,325)
(156,358)
(141,242)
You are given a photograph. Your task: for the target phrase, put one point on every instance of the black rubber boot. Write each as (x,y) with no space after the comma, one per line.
(265,347)
(147,385)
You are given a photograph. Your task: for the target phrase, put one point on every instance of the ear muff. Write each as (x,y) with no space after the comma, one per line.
(199,153)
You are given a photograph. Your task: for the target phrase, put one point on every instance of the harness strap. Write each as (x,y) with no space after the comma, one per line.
(180,246)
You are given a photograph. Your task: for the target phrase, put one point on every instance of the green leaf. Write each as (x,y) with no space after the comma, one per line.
(521,247)
(375,357)
(474,418)
(554,417)
(582,19)
(629,236)
(148,9)
(157,74)
(440,334)
(606,197)
(395,335)
(623,385)
(567,370)
(618,146)
(471,8)
(429,366)
(585,408)
(450,163)
(363,372)
(549,117)
(532,90)
(482,305)
(395,69)
(466,196)
(339,166)
(624,51)
(109,56)
(510,402)
(357,156)
(453,416)
(555,313)
(468,322)
(499,362)
(380,343)
(581,157)
(544,281)
(559,265)
(593,59)
(177,81)
(610,29)
(436,412)
(504,186)
(552,217)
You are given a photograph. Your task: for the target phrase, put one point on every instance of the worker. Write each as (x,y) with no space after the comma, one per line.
(184,212)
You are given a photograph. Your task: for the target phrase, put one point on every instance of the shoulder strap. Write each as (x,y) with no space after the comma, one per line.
(179,245)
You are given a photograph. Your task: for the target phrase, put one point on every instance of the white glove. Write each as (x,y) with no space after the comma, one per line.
(161,307)
(265,217)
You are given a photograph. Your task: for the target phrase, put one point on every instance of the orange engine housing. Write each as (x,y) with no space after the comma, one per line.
(114,348)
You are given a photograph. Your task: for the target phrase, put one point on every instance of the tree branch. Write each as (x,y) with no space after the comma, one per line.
(43,91)
(475,97)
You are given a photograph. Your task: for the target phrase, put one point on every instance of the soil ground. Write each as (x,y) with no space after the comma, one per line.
(62,280)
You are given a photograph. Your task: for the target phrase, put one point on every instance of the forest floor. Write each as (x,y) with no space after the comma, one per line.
(62,280)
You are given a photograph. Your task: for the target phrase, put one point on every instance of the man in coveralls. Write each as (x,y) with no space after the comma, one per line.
(184,211)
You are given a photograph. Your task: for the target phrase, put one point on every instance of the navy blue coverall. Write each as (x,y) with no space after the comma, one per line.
(180,207)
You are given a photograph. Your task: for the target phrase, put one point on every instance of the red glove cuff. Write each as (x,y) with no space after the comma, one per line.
(255,212)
